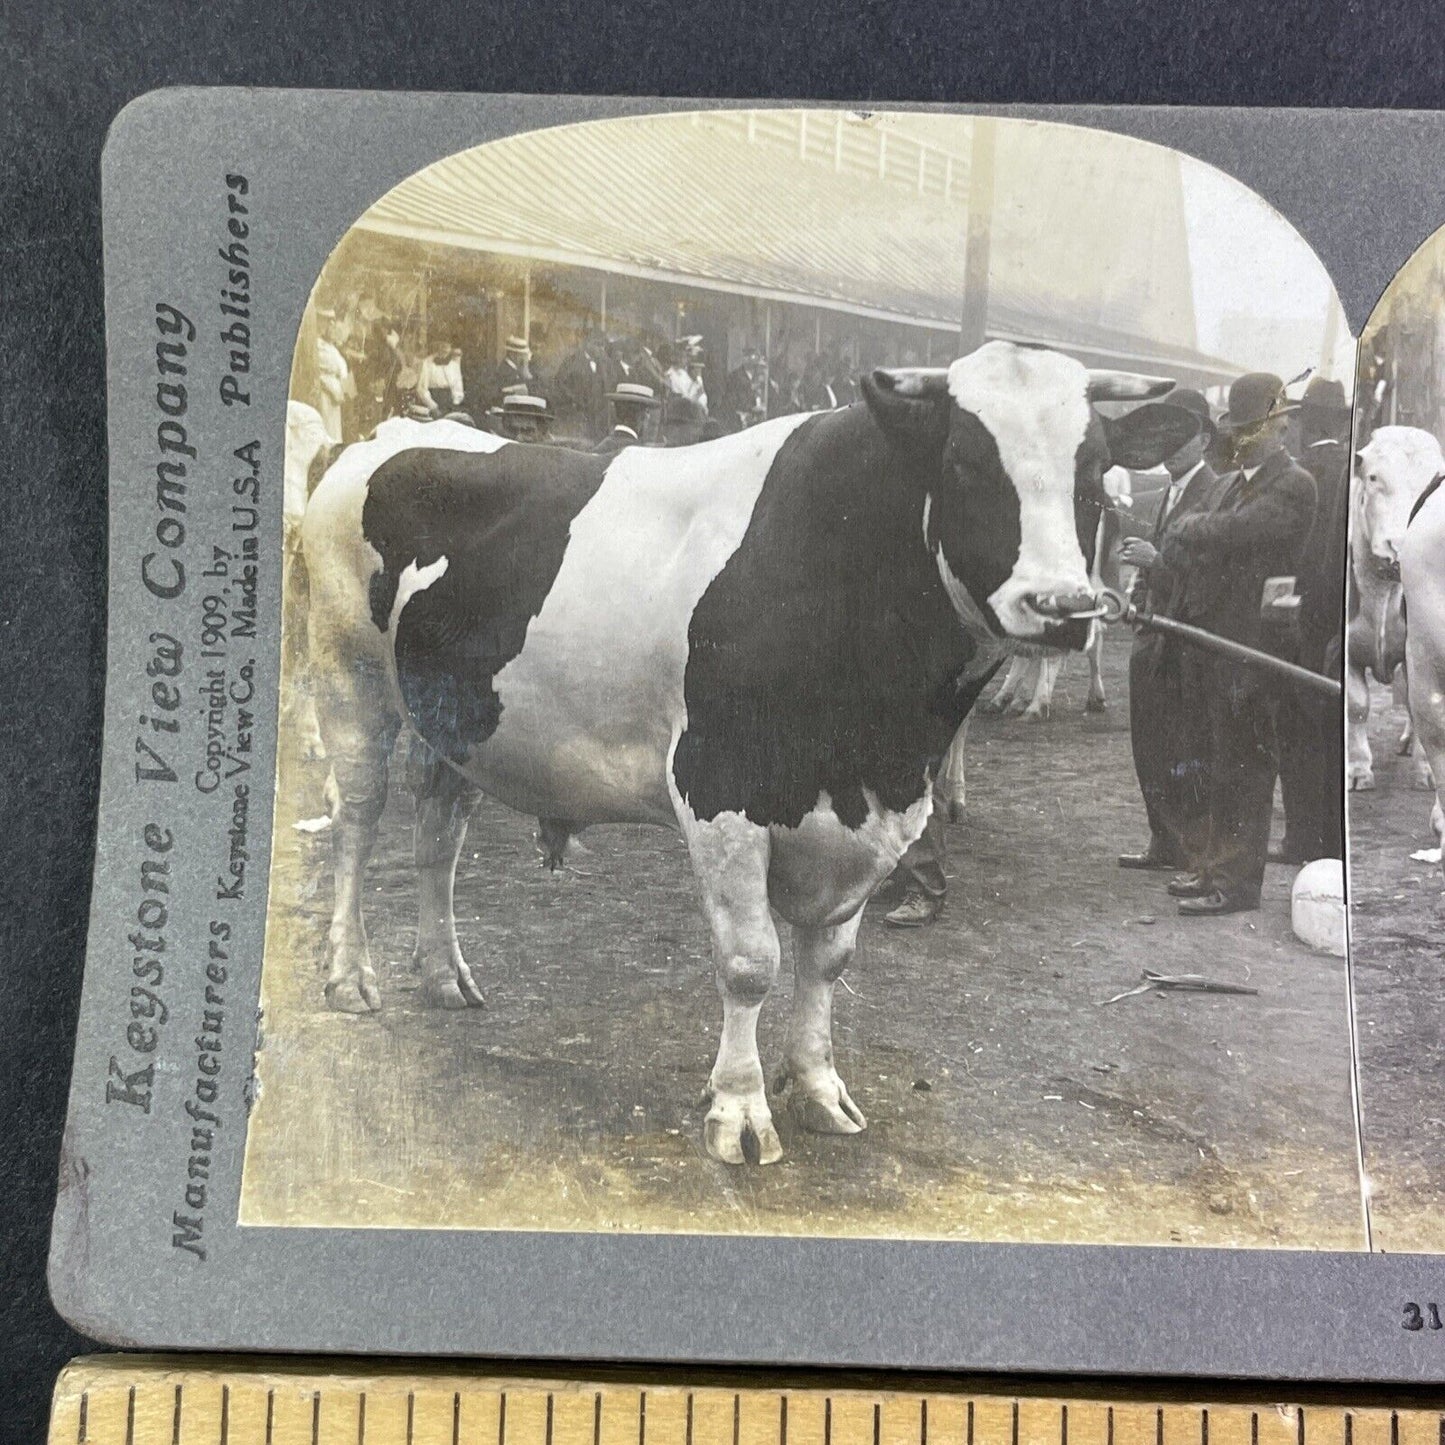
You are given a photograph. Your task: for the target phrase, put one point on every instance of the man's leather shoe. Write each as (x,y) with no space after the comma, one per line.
(917,910)
(1215,904)
(1153,861)
(1188,885)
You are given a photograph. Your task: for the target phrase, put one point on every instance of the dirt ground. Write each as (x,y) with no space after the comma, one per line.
(1006,1099)
(1397,924)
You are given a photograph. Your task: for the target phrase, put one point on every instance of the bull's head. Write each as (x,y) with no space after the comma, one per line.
(1392,469)
(1020,452)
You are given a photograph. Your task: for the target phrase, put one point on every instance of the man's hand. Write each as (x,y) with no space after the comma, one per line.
(1139,553)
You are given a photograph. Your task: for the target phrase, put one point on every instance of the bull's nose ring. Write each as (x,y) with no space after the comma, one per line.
(1112,606)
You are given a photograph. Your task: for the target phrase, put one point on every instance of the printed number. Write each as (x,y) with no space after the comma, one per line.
(1422,1318)
(213,621)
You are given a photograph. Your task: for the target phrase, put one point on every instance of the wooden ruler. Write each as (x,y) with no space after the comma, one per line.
(148,1400)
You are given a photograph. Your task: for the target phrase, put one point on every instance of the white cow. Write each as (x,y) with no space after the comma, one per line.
(1422,571)
(1393,468)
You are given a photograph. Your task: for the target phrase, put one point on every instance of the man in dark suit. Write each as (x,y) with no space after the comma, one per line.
(512,375)
(1223,557)
(631,403)
(579,389)
(1169,779)
(1311,731)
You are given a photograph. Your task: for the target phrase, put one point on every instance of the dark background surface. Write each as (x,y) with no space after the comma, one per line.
(69,68)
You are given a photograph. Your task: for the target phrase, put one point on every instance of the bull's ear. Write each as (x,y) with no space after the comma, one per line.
(1147,435)
(911,403)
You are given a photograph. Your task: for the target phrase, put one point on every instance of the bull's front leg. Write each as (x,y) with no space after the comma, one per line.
(444,803)
(730,860)
(1359,764)
(819,1099)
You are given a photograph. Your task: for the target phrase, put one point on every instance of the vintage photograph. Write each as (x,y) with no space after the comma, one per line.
(812,698)
(1396,751)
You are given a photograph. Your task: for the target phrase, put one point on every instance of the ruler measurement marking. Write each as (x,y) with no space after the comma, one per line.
(218,1413)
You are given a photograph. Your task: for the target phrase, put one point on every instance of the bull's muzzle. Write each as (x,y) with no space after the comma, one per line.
(1066,606)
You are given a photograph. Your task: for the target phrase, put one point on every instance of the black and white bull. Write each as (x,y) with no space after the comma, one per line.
(756,640)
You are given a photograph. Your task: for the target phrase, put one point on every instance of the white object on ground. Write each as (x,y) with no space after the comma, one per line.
(313,825)
(1425,855)
(1317,906)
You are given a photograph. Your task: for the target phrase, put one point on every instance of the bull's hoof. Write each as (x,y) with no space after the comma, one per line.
(1096,704)
(354,994)
(992,704)
(949,809)
(739,1130)
(1361,780)
(450,986)
(820,1102)
(1425,778)
(1405,746)
(1036,714)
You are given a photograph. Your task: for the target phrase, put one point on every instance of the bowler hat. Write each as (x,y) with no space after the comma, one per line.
(1325,395)
(1255,398)
(1186,398)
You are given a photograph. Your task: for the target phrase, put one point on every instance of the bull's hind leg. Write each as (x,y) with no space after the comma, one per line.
(444,803)
(359,728)
(730,859)
(818,1098)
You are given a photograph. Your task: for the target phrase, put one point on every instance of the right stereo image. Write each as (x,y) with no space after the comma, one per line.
(1395,753)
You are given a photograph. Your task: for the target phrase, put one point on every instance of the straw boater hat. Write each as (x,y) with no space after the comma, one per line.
(518,343)
(634,393)
(520,404)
